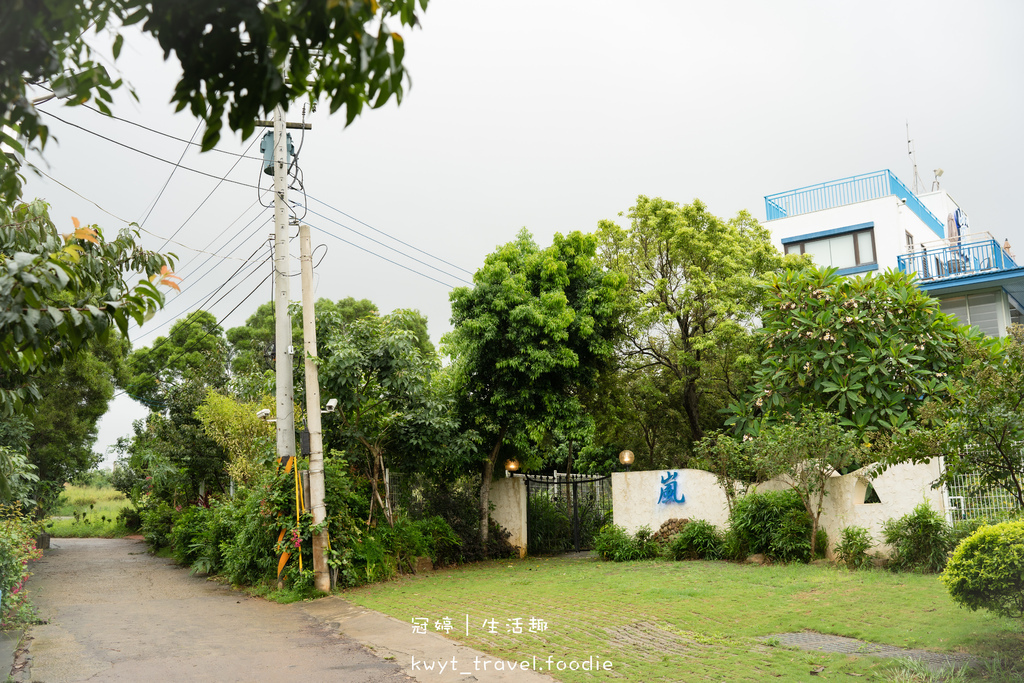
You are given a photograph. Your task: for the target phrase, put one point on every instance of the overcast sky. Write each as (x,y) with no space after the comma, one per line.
(553,116)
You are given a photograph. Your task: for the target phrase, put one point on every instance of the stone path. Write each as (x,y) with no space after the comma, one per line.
(822,642)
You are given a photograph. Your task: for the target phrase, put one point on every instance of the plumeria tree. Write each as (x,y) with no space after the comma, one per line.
(869,348)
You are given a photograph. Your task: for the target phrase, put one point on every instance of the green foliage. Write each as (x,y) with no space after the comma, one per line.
(550,529)
(616,544)
(805,453)
(978,428)
(852,550)
(691,296)
(697,540)
(867,348)
(18,478)
(60,292)
(234,426)
(17,547)
(456,501)
(157,519)
(130,518)
(773,523)
(237,61)
(987,570)
(529,337)
(195,350)
(920,540)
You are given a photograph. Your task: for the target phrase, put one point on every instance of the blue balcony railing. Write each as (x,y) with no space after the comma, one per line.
(845,191)
(956,260)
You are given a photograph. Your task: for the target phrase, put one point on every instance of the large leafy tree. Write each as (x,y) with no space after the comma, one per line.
(530,335)
(238,59)
(692,297)
(59,292)
(978,425)
(868,348)
(65,419)
(195,351)
(389,407)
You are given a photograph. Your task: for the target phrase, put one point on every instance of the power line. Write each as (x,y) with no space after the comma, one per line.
(167,182)
(151,156)
(318,201)
(168,135)
(131,223)
(384,258)
(397,251)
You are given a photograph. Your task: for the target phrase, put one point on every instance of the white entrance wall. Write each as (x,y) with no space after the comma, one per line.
(508,495)
(635,497)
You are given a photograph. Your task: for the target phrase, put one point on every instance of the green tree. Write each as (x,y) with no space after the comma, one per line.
(194,350)
(529,336)
(65,419)
(978,425)
(248,440)
(805,452)
(388,406)
(692,297)
(238,60)
(867,348)
(59,292)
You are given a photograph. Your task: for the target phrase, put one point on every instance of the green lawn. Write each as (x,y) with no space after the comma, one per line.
(692,621)
(87,511)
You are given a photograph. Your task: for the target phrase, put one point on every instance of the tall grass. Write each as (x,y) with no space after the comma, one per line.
(87,512)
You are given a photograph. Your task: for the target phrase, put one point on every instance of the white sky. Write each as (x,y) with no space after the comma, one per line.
(555,115)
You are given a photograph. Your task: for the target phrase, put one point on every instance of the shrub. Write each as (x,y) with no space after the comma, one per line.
(774,523)
(920,540)
(157,520)
(550,529)
(187,530)
(614,543)
(987,570)
(129,517)
(17,546)
(697,540)
(853,548)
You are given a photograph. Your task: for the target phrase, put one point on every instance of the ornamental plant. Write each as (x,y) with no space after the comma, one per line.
(869,348)
(17,547)
(987,570)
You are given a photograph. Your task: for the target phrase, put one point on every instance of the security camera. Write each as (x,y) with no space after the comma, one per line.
(263,414)
(332,405)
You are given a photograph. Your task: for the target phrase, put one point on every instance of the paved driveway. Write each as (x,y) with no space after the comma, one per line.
(116,613)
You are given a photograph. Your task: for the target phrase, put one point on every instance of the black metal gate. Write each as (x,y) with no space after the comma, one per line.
(565,512)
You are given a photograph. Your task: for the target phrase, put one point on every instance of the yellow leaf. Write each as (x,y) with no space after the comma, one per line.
(73,252)
(395,36)
(374,6)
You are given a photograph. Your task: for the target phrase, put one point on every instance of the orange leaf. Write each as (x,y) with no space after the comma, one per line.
(87,234)
(75,221)
(168,278)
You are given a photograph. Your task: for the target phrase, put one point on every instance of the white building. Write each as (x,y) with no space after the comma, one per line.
(873,222)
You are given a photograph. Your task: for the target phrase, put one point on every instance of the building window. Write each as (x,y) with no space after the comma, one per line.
(979,310)
(848,250)
(910,243)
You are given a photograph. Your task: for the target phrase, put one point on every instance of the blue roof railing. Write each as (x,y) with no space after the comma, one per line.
(858,188)
(959,257)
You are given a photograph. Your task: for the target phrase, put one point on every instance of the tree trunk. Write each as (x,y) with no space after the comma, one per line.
(485,490)
(692,409)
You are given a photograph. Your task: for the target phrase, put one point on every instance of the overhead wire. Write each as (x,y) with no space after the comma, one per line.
(144,153)
(386,246)
(364,223)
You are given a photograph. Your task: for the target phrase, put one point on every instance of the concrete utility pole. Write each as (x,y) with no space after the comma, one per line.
(283,329)
(317,489)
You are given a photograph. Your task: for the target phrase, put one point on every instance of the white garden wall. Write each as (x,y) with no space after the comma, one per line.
(639,498)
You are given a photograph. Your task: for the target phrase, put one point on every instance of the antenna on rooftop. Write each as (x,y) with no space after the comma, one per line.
(935,183)
(913,159)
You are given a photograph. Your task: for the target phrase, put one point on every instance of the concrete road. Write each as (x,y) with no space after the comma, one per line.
(115,613)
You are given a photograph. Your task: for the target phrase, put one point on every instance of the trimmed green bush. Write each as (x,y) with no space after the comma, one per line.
(920,540)
(774,523)
(697,540)
(614,543)
(987,570)
(852,550)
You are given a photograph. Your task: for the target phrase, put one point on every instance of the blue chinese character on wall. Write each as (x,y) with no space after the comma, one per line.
(670,489)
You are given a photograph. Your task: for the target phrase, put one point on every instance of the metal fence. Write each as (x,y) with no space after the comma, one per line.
(845,191)
(565,512)
(967,499)
(969,256)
